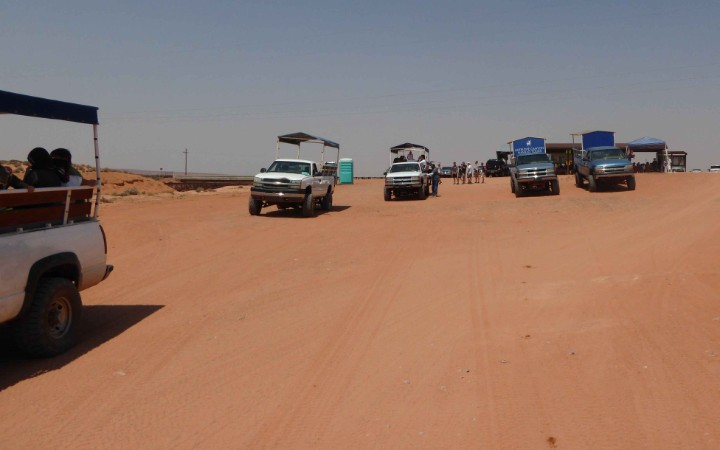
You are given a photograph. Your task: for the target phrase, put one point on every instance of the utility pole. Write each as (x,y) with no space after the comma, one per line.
(186,153)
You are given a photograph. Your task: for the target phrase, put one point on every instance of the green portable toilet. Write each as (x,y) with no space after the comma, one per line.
(346,171)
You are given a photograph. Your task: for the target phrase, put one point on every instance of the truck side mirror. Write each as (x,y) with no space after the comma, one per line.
(385,173)
(263,170)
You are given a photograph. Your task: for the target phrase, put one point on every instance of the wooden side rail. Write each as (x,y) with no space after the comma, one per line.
(43,207)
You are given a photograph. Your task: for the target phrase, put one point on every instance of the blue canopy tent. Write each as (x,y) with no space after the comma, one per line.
(26,105)
(674,161)
(647,144)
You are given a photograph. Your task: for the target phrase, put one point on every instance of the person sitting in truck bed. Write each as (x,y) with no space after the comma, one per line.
(62,159)
(9,180)
(42,172)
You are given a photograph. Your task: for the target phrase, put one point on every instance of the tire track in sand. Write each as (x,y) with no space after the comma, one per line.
(334,366)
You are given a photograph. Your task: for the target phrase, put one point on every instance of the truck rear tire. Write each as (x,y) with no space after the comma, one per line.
(578,180)
(422,195)
(592,184)
(326,202)
(512,185)
(254,206)
(49,326)
(388,194)
(308,207)
(631,183)
(555,187)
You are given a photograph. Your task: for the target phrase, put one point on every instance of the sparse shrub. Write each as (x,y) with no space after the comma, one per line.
(132,191)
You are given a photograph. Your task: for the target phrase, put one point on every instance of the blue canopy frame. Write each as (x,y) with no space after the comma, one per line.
(26,105)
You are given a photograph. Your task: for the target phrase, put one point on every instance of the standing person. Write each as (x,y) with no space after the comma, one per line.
(454,172)
(423,163)
(462,171)
(435,176)
(469,172)
(477,172)
(63,160)
(42,171)
(481,171)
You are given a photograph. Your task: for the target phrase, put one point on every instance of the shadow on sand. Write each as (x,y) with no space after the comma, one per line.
(297,214)
(100,323)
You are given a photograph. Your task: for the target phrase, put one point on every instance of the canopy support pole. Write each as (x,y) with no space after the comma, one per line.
(97,170)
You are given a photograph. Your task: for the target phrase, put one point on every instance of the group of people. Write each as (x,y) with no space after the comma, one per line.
(465,172)
(44,170)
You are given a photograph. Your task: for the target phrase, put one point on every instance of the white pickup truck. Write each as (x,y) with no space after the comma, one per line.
(406,176)
(297,183)
(406,179)
(52,245)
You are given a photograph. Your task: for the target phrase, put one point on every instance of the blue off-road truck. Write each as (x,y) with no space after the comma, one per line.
(603,166)
(531,168)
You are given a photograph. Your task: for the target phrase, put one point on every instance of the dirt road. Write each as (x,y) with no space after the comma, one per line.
(472,320)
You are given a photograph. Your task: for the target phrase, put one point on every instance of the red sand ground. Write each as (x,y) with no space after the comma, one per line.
(472,320)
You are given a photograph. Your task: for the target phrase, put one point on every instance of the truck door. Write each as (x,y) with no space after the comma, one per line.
(319,186)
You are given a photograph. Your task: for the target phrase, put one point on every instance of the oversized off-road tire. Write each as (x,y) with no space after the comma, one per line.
(578,180)
(518,190)
(512,185)
(388,194)
(308,207)
(555,187)
(592,184)
(326,202)
(422,193)
(49,326)
(254,206)
(631,183)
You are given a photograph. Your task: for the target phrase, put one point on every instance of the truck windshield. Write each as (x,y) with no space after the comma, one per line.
(536,158)
(290,167)
(409,167)
(611,153)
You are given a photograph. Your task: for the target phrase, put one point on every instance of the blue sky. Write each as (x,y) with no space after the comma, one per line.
(224,78)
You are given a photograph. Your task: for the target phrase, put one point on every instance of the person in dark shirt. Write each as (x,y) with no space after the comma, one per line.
(62,158)
(42,171)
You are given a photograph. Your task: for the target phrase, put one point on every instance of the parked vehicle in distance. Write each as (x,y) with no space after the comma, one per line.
(496,168)
(696,171)
(533,172)
(603,165)
(53,245)
(714,169)
(446,172)
(297,183)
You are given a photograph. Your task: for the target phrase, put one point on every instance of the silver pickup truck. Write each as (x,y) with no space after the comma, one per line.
(603,165)
(53,245)
(534,172)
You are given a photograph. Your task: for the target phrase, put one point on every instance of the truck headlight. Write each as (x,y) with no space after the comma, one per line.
(629,168)
(257,181)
